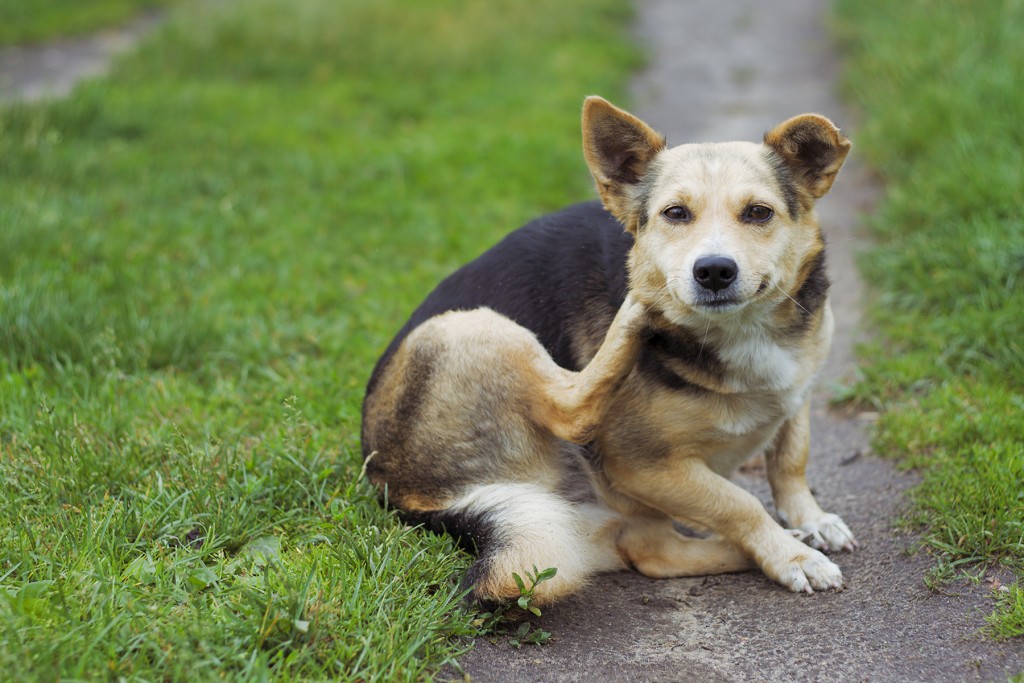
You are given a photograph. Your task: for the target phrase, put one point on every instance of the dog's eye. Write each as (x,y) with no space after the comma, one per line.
(677,213)
(758,213)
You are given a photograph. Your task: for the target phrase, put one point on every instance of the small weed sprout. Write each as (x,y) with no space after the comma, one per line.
(497,622)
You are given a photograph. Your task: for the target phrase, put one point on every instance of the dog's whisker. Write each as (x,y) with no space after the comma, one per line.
(662,295)
(790,298)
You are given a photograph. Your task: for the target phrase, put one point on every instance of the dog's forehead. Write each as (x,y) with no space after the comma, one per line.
(697,168)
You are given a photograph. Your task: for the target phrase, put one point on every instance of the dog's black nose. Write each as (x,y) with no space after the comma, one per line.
(715,272)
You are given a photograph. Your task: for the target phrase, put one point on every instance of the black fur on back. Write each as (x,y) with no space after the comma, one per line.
(549,276)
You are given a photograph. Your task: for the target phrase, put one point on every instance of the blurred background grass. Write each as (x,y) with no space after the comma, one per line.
(200,259)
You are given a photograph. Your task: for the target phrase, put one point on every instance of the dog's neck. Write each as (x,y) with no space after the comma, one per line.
(741,355)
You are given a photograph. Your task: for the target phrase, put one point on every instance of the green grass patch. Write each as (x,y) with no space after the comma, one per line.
(939,83)
(200,259)
(1008,619)
(28,21)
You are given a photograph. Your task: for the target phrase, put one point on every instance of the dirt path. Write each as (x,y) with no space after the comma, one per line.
(51,70)
(723,71)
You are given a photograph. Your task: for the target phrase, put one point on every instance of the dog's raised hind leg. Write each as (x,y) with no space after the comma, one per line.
(571,405)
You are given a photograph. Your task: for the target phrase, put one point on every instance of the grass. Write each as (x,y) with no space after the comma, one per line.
(29,21)
(939,83)
(200,259)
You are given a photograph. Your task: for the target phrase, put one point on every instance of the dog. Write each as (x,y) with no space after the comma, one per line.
(582,390)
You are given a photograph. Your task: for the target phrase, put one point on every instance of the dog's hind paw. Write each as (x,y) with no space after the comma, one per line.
(828,532)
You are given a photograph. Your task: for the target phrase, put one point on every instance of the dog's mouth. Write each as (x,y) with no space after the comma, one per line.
(727,300)
(719,303)
(724,301)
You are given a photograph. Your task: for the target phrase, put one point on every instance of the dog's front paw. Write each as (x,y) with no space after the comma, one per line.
(807,571)
(827,532)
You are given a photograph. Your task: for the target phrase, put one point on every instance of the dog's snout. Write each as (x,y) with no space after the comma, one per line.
(715,272)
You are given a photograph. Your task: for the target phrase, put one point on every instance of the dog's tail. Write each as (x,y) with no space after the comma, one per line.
(522,528)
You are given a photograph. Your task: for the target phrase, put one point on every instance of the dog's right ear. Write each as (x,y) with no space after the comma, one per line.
(618,148)
(813,148)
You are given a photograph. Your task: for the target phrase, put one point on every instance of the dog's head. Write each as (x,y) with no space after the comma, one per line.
(717,227)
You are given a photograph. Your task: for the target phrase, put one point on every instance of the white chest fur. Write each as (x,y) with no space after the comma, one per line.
(756,362)
(765,380)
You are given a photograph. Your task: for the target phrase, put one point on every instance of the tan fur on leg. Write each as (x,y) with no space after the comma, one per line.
(687,488)
(656,549)
(787,464)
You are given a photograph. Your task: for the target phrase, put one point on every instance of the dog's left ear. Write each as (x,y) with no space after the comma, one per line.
(618,148)
(813,148)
